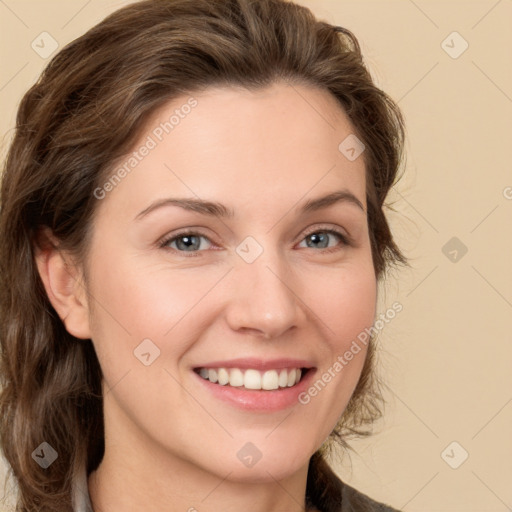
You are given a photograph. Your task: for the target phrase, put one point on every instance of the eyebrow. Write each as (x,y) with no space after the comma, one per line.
(215,209)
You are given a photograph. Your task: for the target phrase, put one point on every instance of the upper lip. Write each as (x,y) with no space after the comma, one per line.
(258,364)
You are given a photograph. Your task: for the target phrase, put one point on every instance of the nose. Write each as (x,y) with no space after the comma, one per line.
(263,297)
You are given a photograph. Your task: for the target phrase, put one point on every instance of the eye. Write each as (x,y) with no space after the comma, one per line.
(322,239)
(185,242)
(192,241)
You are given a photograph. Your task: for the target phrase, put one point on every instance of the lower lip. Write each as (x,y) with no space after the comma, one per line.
(259,400)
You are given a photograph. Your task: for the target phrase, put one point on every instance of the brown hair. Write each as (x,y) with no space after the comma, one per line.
(81,116)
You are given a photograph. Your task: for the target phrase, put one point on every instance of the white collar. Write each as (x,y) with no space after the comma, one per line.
(80,494)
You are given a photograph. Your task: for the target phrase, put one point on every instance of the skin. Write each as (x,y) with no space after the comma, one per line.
(170,445)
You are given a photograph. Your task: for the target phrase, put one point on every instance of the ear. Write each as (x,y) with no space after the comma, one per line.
(63,282)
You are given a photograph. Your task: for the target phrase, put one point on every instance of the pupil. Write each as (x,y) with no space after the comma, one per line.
(318,238)
(188,242)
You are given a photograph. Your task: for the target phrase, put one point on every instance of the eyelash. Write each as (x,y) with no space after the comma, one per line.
(345,241)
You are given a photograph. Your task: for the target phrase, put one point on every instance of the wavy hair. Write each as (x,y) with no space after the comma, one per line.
(84,112)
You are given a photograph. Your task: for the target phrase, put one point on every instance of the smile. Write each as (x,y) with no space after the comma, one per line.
(253,379)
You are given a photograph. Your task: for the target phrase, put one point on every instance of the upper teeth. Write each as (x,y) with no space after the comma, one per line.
(252,379)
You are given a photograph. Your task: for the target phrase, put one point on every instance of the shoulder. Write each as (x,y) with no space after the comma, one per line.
(326,492)
(354,501)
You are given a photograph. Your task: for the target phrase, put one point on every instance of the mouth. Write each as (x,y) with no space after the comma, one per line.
(254,379)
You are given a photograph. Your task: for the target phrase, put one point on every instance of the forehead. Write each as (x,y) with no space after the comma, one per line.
(275,143)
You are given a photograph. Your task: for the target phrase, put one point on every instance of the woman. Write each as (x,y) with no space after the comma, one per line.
(192,235)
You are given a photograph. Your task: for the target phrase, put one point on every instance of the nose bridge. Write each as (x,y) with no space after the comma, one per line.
(262,297)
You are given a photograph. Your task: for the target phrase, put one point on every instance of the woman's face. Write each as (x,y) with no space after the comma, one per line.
(243,275)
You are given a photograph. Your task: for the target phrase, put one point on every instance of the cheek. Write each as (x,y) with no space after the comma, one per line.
(345,301)
(135,301)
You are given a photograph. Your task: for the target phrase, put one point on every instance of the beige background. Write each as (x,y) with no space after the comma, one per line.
(447,356)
